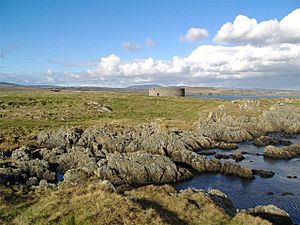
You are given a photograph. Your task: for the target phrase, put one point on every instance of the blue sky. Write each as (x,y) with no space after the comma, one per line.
(71,36)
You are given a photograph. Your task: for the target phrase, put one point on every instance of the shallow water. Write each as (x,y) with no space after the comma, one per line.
(250,193)
(235,97)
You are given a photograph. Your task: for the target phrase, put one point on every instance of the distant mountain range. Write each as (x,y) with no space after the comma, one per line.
(7,84)
(145,86)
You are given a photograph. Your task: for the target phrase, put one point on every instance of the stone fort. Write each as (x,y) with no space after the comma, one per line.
(158,91)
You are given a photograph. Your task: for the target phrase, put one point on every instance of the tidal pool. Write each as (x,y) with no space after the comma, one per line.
(260,191)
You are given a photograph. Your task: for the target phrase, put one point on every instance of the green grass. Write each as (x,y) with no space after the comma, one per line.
(25,112)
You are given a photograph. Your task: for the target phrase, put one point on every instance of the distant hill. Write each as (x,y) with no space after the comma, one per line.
(8,84)
(145,86)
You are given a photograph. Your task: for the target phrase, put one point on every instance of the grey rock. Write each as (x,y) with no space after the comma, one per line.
(140,168)
(271,213)
(238,156)
(265,140)
(236,170)
(287,152)
(107,186)
(60,138)
(263,173)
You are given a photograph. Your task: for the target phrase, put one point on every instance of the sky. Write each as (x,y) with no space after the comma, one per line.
(234,44)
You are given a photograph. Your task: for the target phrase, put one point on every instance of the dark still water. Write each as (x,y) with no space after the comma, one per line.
(235,97)
(250,193)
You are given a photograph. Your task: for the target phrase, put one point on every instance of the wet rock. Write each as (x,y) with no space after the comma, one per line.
(236,170)
(226,146)
(271,213)
(263,173)
(238,156)
(286,193)
(265,140)
(196,161)
(206,152)
(287,136)
(222,156)
(287,152)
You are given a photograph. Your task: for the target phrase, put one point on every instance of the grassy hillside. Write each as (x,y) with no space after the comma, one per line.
(93,204)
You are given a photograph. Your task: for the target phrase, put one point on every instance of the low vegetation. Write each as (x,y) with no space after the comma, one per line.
(92,204)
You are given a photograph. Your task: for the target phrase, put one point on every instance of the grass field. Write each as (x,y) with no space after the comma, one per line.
(25,112)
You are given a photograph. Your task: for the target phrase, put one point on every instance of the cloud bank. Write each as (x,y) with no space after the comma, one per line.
(244,30)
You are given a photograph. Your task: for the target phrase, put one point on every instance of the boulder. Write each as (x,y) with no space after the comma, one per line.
(265,140)
(271,213)
(238,156)
(287,152)
(263,173)
(236,170)
(60,138)
(222,156)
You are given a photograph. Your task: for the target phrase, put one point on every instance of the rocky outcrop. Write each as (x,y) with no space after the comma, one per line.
(236,170)
(263,173)
(271,213)
(286,153)
(140,168)
(61,138)
(24,164)
(201,164)
(244,120)
(266,140)
(238,156)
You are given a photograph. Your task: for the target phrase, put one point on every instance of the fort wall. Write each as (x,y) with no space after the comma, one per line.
(166,92)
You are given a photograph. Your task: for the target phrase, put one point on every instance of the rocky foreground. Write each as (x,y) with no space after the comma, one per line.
(153,154)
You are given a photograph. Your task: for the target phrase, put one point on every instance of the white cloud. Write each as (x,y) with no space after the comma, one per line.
(206,62)
(149,42)
(194,34)
(128,46)
(50,77)
(244,30)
